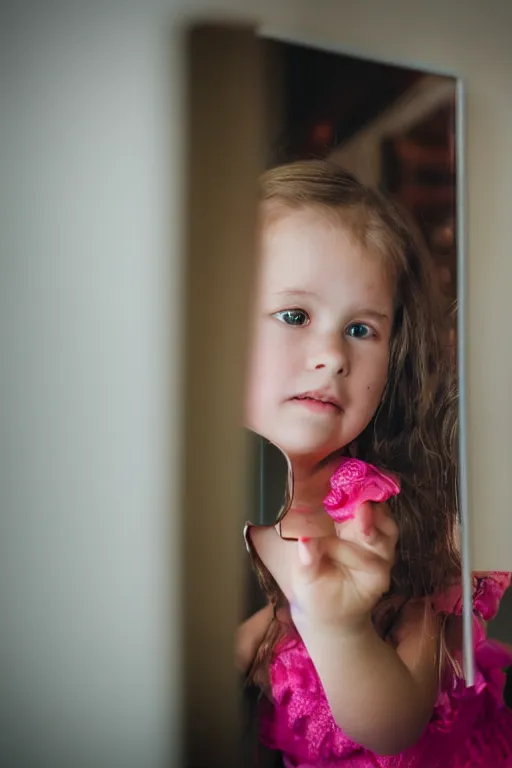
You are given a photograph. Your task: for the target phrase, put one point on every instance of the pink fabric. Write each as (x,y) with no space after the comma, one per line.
(469,726)
(353,483)
(488,589)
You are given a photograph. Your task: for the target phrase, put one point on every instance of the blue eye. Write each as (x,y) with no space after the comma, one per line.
(295,317)
(359,331)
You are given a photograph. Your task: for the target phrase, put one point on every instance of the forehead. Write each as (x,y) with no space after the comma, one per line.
(314,250)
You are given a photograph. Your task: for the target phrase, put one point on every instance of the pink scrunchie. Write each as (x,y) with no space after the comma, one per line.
(354,483)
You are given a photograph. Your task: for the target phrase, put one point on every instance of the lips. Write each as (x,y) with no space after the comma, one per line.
(319,397)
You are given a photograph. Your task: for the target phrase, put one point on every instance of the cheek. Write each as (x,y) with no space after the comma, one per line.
(374,394)
(375,380)
(260,381)
(273,364)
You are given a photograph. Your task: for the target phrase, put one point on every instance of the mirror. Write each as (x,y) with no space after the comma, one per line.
(394,129)
(274,500)
(271,481)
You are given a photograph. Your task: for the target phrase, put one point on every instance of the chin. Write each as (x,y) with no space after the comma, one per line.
(296,441)
(316,450)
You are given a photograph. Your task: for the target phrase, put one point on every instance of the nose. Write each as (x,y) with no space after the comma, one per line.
(330,353)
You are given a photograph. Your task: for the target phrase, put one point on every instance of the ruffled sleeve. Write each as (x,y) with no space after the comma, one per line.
(488,589)
(300,722)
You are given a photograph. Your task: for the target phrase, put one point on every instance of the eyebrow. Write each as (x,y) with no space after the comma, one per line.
(295,292)
(372,313)
(358,311)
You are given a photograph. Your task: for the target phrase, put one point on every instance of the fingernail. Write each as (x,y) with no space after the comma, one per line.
(304,539)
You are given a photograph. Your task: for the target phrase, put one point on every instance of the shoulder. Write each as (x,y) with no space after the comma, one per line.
(276,554)
(488,590)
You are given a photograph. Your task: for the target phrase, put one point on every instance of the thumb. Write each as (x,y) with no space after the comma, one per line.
(365,516)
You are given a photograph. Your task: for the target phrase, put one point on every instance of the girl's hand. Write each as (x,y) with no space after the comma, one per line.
(338,580)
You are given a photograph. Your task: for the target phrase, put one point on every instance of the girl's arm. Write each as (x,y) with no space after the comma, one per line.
(381,697)
(249,637)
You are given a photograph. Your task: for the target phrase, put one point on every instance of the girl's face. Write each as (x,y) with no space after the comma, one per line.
(320,352)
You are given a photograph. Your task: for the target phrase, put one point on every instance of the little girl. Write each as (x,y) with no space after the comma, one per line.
(359,651)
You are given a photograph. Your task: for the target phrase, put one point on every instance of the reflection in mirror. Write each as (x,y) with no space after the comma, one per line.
(352,392)
(276,501)
(271,481)
(393,128)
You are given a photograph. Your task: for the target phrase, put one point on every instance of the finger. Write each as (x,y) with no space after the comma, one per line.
(376,520)
(369,519)
(367,533)
(384,521)
(350,558)
(310,555)
(342,553)
(374,530)
(346,557)
(365,516)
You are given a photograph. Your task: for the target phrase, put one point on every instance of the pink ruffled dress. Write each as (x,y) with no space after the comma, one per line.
(469,726)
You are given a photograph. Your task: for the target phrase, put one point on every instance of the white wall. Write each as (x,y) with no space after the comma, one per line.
(90,317)
(90,325)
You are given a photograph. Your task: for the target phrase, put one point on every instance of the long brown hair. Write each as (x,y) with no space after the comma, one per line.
(414,431)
